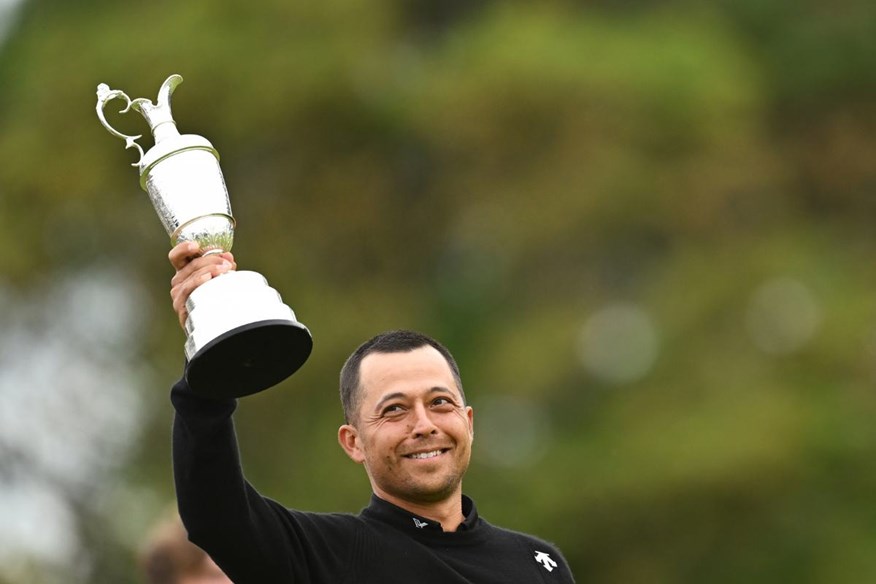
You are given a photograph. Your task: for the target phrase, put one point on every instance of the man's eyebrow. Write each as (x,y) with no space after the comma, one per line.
(389,397)
(400,395)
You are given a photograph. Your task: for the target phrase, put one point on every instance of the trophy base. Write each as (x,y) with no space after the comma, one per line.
(249,359)
(241,337)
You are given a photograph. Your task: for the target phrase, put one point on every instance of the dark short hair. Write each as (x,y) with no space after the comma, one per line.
(398,341)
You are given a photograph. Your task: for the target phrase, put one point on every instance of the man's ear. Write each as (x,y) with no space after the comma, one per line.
(348,438)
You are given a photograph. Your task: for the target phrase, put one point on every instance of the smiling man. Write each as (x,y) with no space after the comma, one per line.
(410,426)
(407,423)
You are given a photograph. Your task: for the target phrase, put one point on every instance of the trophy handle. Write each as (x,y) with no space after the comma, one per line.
(158,116)
(106,95)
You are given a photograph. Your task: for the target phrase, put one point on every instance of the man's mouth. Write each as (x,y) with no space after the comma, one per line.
(429,454)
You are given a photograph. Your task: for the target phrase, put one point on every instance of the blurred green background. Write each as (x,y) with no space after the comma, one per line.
(644,228)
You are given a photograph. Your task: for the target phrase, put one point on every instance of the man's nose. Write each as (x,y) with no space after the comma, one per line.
(422,424)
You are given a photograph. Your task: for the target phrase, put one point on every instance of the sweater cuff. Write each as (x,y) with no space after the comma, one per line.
(189,404)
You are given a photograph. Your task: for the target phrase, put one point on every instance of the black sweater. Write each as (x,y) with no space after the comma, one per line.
(257,541)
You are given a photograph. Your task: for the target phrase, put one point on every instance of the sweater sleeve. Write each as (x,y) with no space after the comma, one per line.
(252,538)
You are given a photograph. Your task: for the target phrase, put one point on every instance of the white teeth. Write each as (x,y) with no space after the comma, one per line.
(432,454)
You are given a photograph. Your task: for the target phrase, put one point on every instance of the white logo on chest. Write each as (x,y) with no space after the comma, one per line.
(419,524)
(545,560)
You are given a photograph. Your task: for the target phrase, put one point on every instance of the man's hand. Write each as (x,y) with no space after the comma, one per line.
(192,270)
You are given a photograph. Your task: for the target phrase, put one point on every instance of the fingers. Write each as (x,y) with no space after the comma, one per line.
(182,253)
(194,274)
(185,252)
(204,264)
(193,270)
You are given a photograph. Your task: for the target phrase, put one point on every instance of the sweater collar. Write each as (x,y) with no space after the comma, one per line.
(396,516)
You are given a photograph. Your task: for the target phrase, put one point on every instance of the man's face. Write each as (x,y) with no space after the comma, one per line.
(412,431)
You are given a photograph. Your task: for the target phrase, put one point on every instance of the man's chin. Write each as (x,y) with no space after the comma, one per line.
(427,492)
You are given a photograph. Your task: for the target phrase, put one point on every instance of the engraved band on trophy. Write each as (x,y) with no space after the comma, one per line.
(240,336)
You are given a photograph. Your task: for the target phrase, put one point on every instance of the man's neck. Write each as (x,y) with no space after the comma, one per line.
(447,512)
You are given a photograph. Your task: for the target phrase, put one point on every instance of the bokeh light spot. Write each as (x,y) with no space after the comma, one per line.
(782,316)
(619,343)
(511,431)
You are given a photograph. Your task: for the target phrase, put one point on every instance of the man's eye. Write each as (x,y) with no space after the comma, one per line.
(393,409)
(442,401)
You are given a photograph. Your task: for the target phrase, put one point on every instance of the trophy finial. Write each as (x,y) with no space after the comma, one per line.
(158,116)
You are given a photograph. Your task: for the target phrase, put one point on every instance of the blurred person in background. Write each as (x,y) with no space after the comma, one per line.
(406,422)
(168,557)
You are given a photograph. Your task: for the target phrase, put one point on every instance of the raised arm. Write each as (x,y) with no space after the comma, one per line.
(247,535)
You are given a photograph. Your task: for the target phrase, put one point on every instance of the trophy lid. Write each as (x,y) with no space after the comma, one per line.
(159,116)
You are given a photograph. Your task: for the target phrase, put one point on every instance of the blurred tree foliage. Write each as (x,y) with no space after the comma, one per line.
(496,174)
